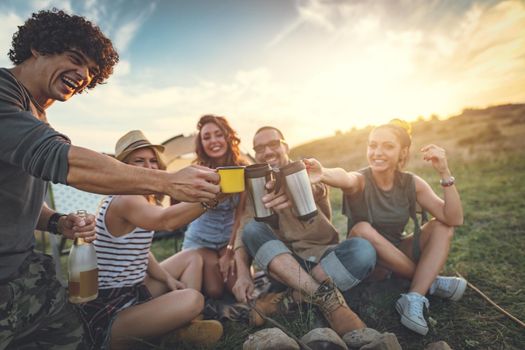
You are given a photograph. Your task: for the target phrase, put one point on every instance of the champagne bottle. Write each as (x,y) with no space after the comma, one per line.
(83,270)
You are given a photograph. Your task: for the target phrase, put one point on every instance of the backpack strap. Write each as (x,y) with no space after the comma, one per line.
(411,194)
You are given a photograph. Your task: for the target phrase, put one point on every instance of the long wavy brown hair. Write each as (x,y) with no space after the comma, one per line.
(233,154)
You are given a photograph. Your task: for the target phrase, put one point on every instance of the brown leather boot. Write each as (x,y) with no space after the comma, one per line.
(270,304)
(334,308)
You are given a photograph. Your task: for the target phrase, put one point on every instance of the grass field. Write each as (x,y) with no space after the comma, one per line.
(485,151)
(487,250)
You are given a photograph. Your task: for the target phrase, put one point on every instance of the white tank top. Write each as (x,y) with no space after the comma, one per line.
(122,261)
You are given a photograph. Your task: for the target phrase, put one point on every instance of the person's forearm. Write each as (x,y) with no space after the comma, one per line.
(452,209)
(156,271)
(180,214)
(43,219)
(242,262)
(338,177)
(94,172)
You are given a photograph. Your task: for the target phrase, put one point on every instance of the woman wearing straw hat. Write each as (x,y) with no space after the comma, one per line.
(133,286)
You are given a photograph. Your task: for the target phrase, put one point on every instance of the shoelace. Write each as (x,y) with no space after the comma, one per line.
(415,306)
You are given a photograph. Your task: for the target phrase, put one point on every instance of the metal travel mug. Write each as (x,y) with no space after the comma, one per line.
(299,189)
(256,177)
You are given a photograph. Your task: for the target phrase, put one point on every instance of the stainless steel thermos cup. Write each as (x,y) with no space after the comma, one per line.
(256,177)
(293,177)
(299,189)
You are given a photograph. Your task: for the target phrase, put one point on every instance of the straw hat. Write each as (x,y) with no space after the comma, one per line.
(132,141)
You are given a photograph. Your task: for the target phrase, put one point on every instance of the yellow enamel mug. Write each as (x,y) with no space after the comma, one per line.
(232,179)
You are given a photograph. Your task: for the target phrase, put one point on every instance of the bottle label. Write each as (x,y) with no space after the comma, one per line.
(85,288)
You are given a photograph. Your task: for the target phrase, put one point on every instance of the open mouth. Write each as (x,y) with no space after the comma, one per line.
(72,84)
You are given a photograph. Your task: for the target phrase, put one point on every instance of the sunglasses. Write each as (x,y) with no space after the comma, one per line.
(273,145)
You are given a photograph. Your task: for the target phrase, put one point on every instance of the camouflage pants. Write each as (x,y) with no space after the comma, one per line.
(34,312)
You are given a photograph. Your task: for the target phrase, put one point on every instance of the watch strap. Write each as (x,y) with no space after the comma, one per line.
(52,224)
(447,182)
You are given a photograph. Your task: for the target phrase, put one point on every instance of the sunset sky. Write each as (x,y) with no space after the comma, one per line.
(309,67)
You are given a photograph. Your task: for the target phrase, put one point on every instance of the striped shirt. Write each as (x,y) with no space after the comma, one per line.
(123,260)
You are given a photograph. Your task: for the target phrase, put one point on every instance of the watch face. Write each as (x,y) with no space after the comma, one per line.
(448,182)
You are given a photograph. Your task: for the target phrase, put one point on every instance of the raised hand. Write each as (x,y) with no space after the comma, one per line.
(437,157)
(194,183)
(314,169)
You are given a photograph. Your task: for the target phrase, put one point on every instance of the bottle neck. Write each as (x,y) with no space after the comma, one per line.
(80,241)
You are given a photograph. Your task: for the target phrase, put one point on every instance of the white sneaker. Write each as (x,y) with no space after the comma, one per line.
(410,307)
(448,287)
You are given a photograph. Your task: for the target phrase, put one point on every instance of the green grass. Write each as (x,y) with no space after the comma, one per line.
(488,250)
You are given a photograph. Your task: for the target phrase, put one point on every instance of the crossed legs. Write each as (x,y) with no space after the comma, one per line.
(168,310)
(434,245)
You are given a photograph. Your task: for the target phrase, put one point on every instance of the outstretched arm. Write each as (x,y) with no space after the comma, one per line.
(140,213)
(335,177)
(94,172)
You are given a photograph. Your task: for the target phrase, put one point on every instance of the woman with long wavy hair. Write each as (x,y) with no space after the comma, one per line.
(213,233)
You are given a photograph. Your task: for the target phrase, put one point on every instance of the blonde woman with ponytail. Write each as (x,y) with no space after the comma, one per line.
(379,201)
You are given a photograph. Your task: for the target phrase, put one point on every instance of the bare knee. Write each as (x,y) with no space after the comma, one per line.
(191,299)
(364,230)
(196,260)
(440,230)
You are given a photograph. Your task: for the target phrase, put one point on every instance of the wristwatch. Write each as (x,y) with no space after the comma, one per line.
(52,224)
(447,182)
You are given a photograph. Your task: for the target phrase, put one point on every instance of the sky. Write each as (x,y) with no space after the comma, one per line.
(308,67)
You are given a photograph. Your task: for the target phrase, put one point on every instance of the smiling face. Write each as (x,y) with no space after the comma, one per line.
(143,157)
(61,75)
(384,152)
(213,141)
(270,148)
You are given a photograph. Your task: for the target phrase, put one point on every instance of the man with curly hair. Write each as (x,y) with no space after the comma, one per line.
(56,56)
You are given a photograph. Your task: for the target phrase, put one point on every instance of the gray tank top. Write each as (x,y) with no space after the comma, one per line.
(387,211)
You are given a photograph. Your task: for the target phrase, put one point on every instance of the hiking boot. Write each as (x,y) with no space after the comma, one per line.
(448,287)
(334,308)
(269,304)
(410,307)
(198,332)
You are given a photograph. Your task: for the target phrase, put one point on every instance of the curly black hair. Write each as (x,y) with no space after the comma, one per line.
(54,32)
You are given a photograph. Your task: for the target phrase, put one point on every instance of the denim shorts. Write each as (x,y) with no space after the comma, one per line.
(196,243)
(347,263)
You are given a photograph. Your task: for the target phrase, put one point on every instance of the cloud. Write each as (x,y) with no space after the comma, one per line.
(335,65)
(8,24)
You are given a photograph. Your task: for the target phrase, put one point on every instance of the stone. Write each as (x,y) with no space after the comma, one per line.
(359,337)
(440,345)
(270,339)
(324,339)
(386,341)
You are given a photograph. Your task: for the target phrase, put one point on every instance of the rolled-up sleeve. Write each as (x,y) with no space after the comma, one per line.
(34,146)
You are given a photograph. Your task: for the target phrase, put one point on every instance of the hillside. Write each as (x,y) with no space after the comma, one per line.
(474,134)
